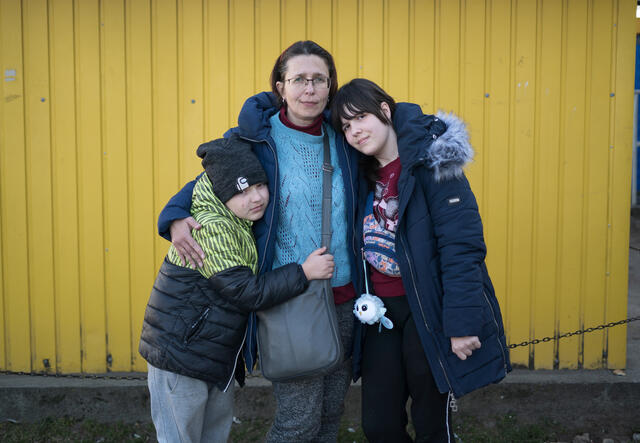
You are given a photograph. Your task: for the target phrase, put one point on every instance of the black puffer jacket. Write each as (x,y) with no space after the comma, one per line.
(196,326)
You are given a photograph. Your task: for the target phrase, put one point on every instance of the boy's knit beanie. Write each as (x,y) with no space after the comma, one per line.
(231,166)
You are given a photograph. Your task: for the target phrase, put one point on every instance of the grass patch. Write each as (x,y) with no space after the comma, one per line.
(250,431)
(506,429)
(351,433)
(501,429)
(75,430)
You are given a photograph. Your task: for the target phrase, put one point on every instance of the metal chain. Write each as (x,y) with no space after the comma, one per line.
(141,376)
(535,341)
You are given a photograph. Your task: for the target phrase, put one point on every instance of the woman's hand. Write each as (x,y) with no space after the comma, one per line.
(318,266)
(463,347)
(188,249)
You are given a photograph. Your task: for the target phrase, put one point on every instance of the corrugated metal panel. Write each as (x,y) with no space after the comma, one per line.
(105,101)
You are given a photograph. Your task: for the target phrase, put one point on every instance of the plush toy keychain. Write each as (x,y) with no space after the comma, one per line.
(370,309)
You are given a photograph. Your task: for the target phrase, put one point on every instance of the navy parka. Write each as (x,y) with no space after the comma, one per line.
(441,251)
(254,126)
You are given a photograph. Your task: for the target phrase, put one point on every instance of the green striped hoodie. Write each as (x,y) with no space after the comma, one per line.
(226,240)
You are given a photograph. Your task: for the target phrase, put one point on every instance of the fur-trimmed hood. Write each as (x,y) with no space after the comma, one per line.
(440,141)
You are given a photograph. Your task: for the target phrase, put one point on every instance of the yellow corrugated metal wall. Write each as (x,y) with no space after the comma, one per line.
(104,102)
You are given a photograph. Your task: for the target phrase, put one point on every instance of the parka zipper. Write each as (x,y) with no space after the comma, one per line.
(493,315)
(424,319)
(235,363)
(275,202)
(354,244)
(264,256)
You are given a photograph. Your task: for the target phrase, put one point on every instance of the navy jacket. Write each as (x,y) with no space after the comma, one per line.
(441,251)
(254,126)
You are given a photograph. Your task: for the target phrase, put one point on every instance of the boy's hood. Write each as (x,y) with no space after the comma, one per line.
(207,207)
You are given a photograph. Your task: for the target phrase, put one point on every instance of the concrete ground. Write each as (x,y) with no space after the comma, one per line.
(583,399)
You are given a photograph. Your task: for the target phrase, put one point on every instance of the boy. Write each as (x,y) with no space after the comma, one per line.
(195,323)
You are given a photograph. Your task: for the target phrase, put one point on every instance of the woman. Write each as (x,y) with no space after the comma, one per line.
(285,128)
(447,337)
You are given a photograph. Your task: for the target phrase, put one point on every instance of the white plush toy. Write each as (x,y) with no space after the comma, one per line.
(370,309)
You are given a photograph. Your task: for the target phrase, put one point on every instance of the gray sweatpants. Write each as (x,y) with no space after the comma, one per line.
(310,410)
(188,410)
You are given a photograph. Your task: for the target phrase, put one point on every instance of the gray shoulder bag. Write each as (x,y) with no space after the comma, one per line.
(300,337)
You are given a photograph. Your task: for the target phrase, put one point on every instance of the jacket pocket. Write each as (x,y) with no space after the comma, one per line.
(196,326)
(488,355)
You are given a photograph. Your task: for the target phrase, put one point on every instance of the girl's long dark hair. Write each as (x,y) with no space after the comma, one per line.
(361,96)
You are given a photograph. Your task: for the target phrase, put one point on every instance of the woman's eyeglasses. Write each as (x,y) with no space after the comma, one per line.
(318,82)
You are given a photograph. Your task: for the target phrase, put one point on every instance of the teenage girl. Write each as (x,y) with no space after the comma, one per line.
(421,235)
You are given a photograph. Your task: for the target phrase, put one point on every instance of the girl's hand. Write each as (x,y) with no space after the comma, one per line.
(463,347)
(318,266)
(188,249)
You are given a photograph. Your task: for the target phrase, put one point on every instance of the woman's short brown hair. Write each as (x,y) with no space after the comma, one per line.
(303,47)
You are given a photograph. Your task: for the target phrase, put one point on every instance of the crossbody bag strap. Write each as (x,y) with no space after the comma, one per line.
(327,172)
